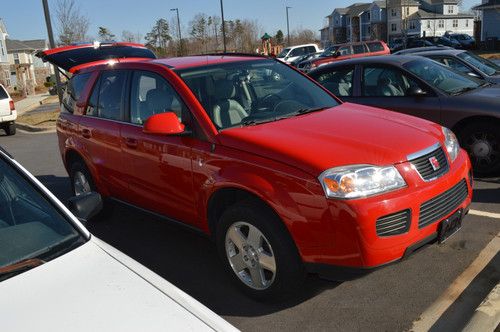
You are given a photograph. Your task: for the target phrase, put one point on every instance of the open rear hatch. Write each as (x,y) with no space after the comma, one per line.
(75,57)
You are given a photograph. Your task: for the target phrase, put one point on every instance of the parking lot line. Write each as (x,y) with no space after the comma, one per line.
(485,214)
(437,309)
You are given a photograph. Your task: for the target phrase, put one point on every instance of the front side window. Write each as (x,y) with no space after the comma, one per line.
(441,77)
(358,49)
(249,92)
(112,86)
(151,94)
(31,227)
(73,90)
(386,82)
(337,81)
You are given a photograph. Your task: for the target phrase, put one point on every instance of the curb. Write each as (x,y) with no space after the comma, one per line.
(33,129)
(487,315)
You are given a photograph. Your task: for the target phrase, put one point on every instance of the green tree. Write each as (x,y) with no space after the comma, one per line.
(105,34)
(279,37)
(159,37)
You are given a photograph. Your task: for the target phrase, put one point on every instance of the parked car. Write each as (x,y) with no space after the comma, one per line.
(292,53)
(284,177)
(464,39)
(55,272)
(413,51)
(347,51)
(410,43)
(8,113)
(465,62)
(444,41)
(421,87)
(296,63)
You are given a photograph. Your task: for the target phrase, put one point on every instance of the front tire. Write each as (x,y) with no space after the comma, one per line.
(482,142)
(258,252)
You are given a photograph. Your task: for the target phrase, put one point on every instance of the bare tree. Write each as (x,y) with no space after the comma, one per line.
(73,26)
(130,37)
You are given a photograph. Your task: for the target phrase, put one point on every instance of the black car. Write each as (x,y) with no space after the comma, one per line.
(421,87)
(412,43)
(305,58)
(444,41)
(422,49)
(464,39)
(463,61)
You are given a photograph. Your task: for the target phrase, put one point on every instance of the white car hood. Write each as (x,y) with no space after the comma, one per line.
(96,288)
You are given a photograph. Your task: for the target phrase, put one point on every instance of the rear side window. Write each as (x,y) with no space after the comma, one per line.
(3,93)
(74,89)
(375,47)
(338,81)
(111,92)
(311,49)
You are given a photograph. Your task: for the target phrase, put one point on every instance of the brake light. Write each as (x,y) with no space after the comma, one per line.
(11,105)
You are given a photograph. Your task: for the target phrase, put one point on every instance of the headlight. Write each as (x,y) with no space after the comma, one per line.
(451,143)
(360,181)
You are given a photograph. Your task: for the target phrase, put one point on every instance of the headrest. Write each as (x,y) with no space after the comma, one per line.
(384,81)
(159,100)
(224,89)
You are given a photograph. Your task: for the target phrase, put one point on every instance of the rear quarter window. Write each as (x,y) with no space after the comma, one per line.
(3,93)
(74,89)
(375,47)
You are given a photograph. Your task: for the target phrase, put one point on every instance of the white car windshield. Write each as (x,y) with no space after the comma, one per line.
(248,92)
(32,229)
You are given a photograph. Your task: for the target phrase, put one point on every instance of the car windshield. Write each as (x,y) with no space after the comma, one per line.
(248,92)
(441,77)
(330,51)
(283,53)
(32,229)
(486,66)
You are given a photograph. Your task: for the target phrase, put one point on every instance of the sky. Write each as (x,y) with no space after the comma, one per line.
(27,21)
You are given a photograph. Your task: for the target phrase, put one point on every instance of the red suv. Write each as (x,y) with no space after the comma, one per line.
(282,175)
(346,51)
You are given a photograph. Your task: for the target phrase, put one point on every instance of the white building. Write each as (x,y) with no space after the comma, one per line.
(4,60)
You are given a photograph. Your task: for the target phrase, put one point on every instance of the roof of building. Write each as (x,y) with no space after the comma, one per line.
(380,3)
(17,45)
(437,2)
(37,44)
(491,4)
(3,29)
(358,8)
(423,14)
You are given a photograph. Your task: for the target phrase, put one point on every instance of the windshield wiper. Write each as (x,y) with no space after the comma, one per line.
(18,267)
(310,110)
(247,123)
(461,91)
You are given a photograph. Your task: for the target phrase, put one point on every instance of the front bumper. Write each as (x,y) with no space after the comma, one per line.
(354,242)
(8,118)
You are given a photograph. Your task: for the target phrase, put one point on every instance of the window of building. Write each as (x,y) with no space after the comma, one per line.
(450,9)
(467,23)
(16,58)
(369,30)
(393,27)
(394,12)
(413,25)
(441,24)
(455,23)
(1,47)
(428,24)
(407,10)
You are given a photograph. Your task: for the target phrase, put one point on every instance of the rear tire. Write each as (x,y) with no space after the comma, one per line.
(10,129)
(265,265)
(482,141)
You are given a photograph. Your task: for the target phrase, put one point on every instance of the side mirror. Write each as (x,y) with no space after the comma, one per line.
(163,124)
(416,91)
(85,206)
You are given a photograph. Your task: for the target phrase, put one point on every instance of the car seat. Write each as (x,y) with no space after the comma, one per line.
(227,111)
(387,88)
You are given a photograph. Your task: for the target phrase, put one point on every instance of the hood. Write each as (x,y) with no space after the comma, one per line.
(88,289)
(344,135)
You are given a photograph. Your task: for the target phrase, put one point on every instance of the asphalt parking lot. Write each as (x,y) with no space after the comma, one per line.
(388,299)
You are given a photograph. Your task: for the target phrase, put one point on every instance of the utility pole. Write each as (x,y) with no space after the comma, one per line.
(52,45)
(223,26)
(178,29)
(287,26)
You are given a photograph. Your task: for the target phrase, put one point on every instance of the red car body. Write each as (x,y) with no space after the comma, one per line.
(278,163)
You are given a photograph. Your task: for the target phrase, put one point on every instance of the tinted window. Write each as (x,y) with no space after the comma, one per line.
(297,51)
(346,50)
(456,65)
(30,225)
(74,89)
(311,49)
(92,103)
(486,66)
(375,47)
(150,95)
(386,82)
(338,81)
(111,93)
(358,49)
(3,93)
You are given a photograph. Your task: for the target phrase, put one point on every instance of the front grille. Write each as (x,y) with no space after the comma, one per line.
(440,206)
(424,165)
(393,224)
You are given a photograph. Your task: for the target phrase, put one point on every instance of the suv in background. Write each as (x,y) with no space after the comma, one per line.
(292,53)
(8,114)
(284,177)
(347,51)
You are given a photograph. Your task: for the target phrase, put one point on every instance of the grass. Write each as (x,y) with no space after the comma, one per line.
(39,119)
(490,55)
